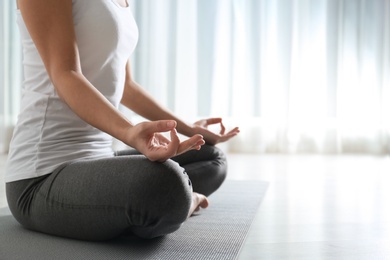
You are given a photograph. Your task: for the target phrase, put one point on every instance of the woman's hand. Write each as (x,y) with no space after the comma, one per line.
(200,127)
(146,137)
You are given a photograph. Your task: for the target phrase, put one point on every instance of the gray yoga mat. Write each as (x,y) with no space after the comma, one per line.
(217,232)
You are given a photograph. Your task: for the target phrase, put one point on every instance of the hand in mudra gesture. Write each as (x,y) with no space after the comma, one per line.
(201,127)
(146,137)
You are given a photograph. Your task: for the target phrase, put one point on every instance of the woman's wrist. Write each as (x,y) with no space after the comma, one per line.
(126,134)
(186,129)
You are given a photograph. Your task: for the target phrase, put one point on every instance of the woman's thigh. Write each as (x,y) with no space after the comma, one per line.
(100,199)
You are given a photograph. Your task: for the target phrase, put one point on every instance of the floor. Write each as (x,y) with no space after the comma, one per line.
(316,207)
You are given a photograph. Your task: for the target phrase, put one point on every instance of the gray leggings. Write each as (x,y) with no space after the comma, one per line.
(102,199)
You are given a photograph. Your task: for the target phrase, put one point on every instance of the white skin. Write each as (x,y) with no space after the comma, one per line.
(50,25)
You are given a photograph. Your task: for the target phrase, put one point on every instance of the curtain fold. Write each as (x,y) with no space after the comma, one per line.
(10,72)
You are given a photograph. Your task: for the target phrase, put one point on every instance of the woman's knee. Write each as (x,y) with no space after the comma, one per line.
(175,187)
(169,204)
(209,174)
(219,157)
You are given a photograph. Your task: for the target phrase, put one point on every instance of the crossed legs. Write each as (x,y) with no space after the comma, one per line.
(101,199)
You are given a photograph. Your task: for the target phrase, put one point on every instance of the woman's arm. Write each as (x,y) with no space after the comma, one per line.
(137,99)
(50,25)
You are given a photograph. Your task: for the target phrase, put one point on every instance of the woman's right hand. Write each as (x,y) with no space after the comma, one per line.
(146,137)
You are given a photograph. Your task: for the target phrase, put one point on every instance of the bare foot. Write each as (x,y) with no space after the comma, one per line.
(198,201)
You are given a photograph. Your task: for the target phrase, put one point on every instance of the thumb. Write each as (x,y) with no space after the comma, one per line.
(162,126)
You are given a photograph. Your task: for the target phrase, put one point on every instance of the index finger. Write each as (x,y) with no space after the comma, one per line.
(222,132)
(212,121)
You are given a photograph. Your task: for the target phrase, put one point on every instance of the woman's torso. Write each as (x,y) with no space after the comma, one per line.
(48,133)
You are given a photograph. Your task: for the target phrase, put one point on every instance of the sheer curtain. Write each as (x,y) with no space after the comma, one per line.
(296,75)
(10,71)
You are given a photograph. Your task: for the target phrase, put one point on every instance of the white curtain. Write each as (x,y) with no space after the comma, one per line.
(10,71)
(296,75)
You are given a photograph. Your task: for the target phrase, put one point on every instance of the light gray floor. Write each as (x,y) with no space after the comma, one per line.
(316,207)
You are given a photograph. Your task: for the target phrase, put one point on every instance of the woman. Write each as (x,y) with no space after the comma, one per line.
(62,176)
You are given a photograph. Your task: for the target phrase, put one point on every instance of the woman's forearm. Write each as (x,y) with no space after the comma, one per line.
(89,104)
(138,100)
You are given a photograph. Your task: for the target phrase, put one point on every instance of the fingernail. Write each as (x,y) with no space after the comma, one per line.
(170,124)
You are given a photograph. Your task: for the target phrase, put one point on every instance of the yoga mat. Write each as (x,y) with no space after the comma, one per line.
(217,232)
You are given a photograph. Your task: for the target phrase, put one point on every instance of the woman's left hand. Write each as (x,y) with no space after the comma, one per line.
(201,127)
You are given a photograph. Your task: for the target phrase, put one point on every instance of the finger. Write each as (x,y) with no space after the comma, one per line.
(174,144)
(161,126)
(234,131)
(227,136)
(174,137)
(222,132)
(163,148)
(214,120)
(198,145)
(193,143)
(161,139)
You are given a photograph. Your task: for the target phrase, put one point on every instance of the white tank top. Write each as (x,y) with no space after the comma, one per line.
(48,133)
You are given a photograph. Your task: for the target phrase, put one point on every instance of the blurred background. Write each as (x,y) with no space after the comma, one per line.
(297,76)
